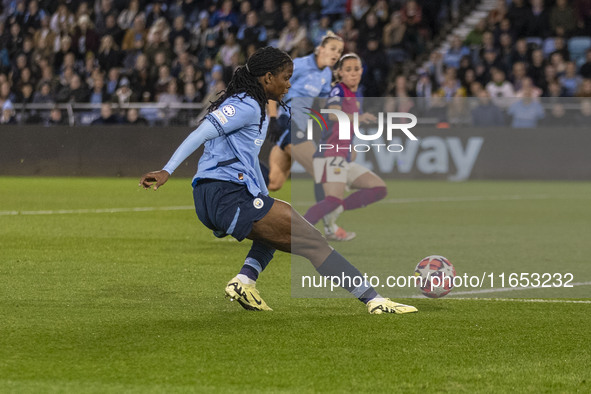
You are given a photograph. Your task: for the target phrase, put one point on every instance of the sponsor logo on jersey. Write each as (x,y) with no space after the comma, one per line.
(258,142)
(218,114)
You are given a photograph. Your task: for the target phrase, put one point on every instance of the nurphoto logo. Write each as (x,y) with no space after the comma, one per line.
(388,122)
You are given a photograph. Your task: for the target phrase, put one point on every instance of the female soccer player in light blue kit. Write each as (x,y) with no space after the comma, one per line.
(312,77)
(229,190)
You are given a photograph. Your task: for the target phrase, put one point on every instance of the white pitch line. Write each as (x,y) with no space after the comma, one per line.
(102,210)
(299,203)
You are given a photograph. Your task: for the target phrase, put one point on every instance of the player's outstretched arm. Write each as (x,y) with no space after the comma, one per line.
(205,132)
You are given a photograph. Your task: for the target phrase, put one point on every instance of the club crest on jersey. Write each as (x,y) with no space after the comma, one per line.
(258,203)
(229,110)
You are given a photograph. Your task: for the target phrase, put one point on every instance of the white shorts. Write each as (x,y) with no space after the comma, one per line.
(336,169)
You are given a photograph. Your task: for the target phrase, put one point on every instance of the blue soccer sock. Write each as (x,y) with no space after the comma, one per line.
(336,266)
(256,261)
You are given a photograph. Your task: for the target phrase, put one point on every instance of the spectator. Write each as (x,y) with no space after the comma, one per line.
(112,80)
(504,28)
(33,16)
(98,93)
(157,12)
(528,87)
(585,88)
(538,23)
(91,66)
(124,93)
(44,94)
(526,111)
(132,55)
(65,46)
(519,73)
(486,114)
(137,32)
(499,89)
(583,118)
(555,90)
(133,119)
(558,117)
(112,29)
(126,17)
(252,32)
(141,81)
(518,14)
(190,94)
(291,35)
(164,78)
(561,47)
(170,97)
(583,8)
(179,30)
(62,16)
(451,86)
(8,115)
(376,69)
(271,19)
(102,10)
(585,70)
(370,29)
(85,38)
(520,53)
(349,33)
(412,14)
(455,53)
(474,38)
(319,29)
(25,93)
(562,19)
(399,42)
(570,81)
(225,17)
(108,54)
(56,118)
(536,69)
(228,50)
(75,92)
(14,42)
(107,117)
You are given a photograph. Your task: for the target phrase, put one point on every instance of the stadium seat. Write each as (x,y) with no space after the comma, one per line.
(534,41)
(577,46)
(549,46)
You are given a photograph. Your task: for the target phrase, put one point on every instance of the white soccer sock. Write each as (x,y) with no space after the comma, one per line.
(245,279)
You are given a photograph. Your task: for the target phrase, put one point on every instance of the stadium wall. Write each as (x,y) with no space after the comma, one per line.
(452,154)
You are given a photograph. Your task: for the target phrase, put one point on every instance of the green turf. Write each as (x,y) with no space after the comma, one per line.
(132,301)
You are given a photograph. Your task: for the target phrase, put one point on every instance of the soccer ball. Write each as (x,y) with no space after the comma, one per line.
(436,276)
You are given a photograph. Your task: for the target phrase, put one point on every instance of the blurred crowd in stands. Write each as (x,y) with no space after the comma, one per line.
(185,51)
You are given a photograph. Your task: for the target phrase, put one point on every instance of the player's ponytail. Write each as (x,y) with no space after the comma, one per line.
(245,78)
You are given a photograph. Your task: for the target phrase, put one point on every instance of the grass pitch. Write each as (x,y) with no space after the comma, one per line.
(109,288)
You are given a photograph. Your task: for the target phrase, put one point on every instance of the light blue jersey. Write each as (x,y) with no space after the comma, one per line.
(233,154)
(308,81)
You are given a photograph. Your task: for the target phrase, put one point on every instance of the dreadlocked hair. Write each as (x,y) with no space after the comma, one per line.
(245,79)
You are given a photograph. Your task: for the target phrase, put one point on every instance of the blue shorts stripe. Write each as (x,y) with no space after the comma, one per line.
(234,221)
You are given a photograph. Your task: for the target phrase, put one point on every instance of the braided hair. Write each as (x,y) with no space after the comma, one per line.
(245,78)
